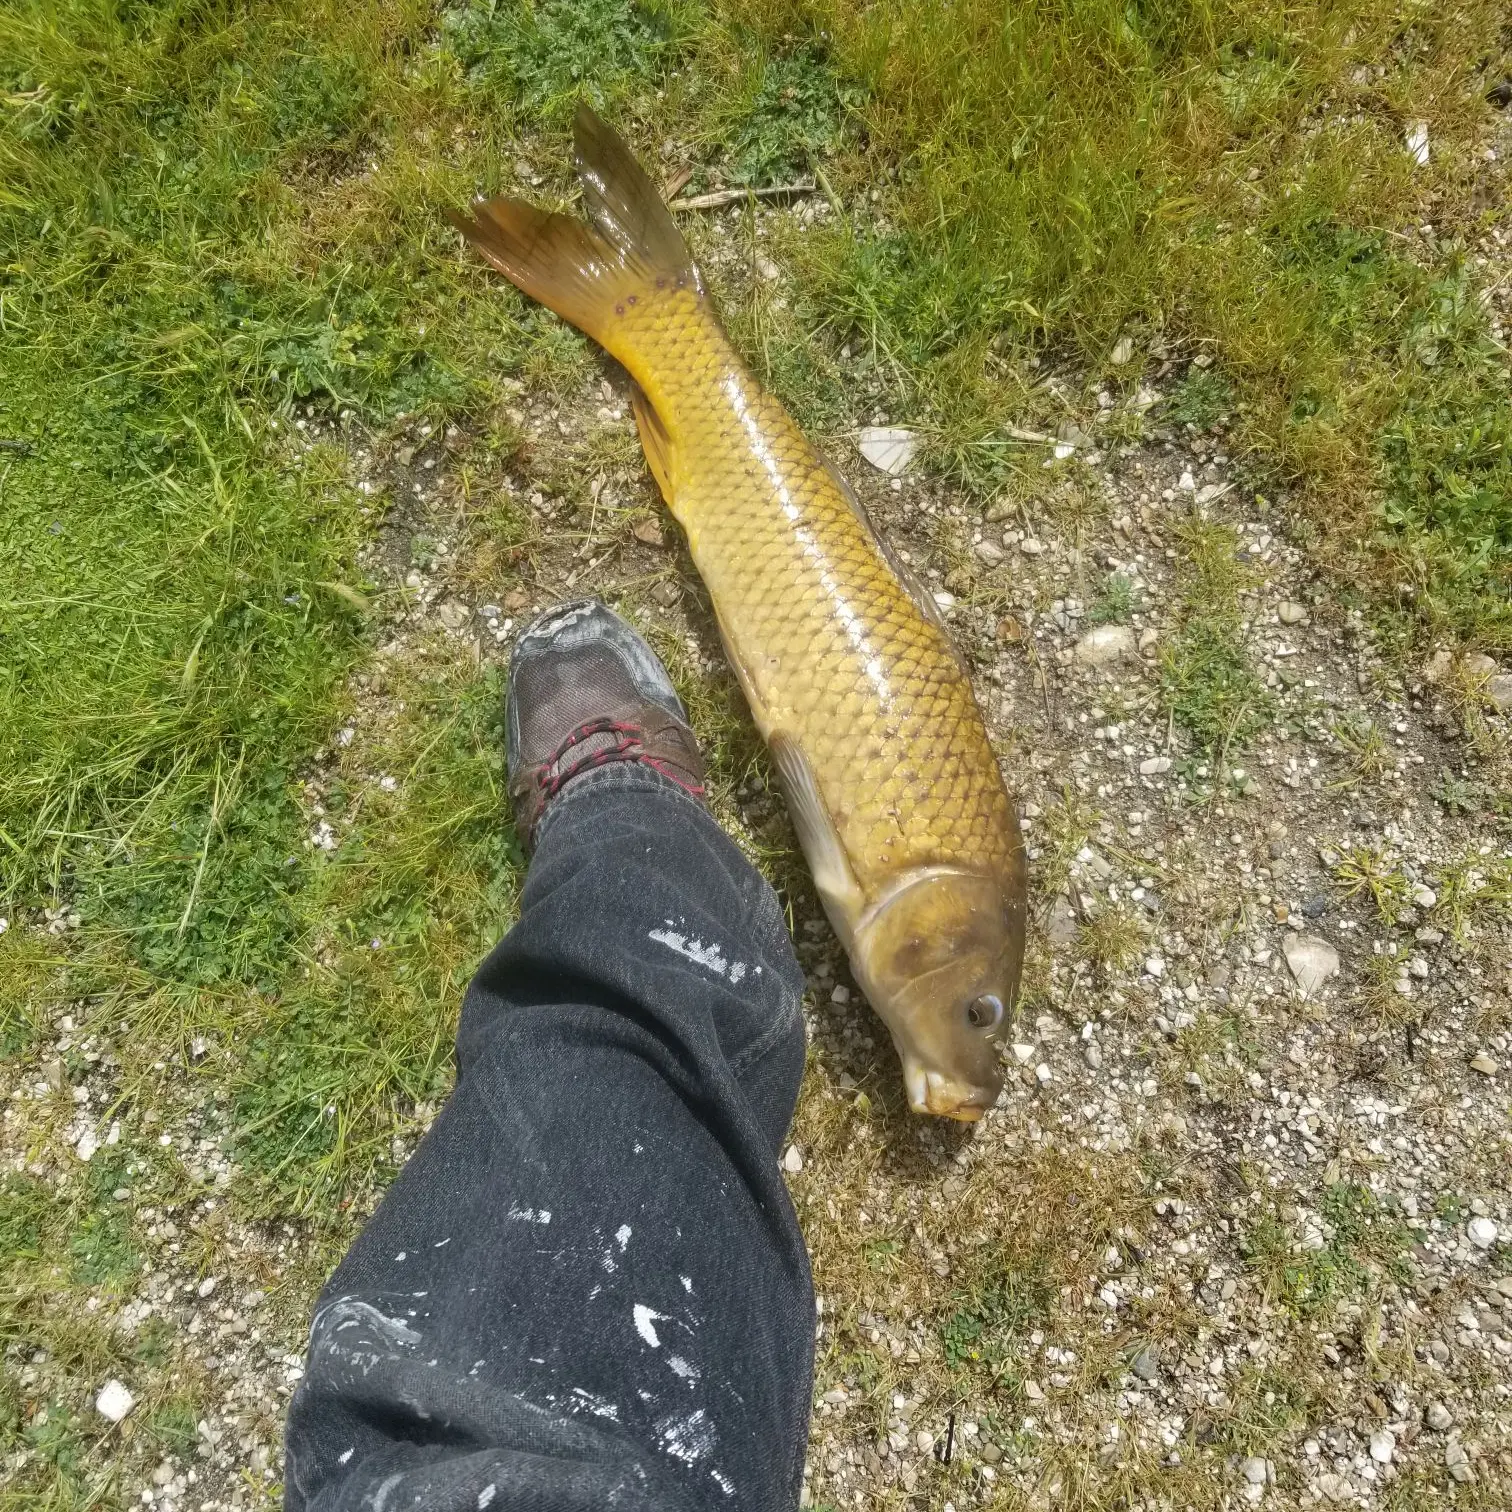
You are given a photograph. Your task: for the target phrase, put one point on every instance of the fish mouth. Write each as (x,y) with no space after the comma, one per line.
(944,1096)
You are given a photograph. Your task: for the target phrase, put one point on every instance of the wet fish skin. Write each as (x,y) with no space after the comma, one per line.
(850,675)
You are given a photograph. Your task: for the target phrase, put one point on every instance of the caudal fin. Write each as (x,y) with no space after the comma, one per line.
(583,270)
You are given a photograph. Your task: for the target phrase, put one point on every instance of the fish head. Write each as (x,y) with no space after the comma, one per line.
(939,959)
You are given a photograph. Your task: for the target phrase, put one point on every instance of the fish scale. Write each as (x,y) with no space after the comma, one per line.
(851,677)
(833,646)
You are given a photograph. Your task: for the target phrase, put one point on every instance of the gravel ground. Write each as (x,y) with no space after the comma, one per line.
(1238,1231)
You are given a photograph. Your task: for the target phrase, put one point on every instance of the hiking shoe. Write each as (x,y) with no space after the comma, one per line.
(584,691)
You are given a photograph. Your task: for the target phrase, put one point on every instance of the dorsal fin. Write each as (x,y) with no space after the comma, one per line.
(655,442)
(922,597)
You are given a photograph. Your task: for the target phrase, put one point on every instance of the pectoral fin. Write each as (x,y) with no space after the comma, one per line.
(836,882)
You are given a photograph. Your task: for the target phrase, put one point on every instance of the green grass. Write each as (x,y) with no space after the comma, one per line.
(217,222)
(1207,679)
(1364,1246)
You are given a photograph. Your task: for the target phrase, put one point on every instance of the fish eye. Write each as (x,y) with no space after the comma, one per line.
(985,1012)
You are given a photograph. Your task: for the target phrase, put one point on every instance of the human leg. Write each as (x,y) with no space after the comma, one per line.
(588,1287)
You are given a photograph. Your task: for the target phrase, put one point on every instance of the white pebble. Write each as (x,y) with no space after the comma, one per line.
(792,1161)
(1382,1446)
(1482,1232)
(114,1401)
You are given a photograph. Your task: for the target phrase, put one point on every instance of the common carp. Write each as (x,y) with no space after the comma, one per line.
(849,671)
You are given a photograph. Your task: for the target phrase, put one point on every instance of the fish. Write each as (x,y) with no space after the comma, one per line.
(866,706)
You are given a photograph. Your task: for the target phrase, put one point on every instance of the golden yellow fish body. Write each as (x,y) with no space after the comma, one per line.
(832,649)
(851,678)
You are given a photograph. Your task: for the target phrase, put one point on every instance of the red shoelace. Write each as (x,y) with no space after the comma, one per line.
(628,744)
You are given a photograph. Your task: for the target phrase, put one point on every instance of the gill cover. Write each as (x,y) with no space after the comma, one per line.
(937,960)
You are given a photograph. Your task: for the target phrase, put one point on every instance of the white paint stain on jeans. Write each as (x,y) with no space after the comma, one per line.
(710,956)
(597,1405)
(645,1323)
(687,1436)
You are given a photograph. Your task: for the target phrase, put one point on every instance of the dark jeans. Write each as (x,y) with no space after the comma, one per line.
(588,1289)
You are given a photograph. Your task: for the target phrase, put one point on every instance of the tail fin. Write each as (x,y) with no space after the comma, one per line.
(583,269)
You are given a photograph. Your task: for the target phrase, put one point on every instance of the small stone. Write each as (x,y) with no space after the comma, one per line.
(1154,966)
(648,532)
(1105,645)
(1417,143)
(1478,667)
(989,551)
(924,1441)
(454,615)
(1382,1446)
(1499,690)
(1023,1054)
(114,1401)
(1436,668)
(1482,1232)
(1424,897)
(1146,1363)
(991,1453)
(1483,1063)
(1315,906)
(163,1474)
(767,269)
(1148,639)
(1154,766)
(1043,1073)
(1123,351)
(1033,1391)
(1311,960)
(1253,1470)
(1032,548)
(1439,1417)
(1060,927)
(1458,1462)
(1335,1487)
(792,1160)
(207,1286)
(1290,612)
(1093,1057)
(667,592)
(88,1143)
(889,448)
